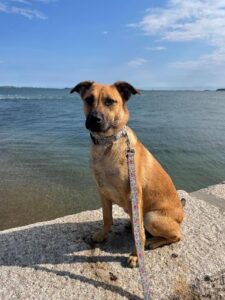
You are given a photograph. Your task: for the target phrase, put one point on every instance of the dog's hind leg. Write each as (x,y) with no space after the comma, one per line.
(102,234)
(164,229)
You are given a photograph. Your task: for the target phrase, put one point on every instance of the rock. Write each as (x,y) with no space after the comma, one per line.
(58,260)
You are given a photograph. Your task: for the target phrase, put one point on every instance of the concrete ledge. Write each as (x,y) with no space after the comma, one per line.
(217,190)
(210,198)
(56,259)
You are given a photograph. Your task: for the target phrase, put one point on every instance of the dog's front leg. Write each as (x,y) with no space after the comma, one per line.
(133,260)
(102,234)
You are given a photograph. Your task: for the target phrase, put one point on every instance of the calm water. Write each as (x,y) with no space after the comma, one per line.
(45,148)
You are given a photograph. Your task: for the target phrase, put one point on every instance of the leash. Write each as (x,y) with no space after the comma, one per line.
(134,201)
(136,219)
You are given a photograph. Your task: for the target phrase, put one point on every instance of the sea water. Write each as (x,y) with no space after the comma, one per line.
(44,147)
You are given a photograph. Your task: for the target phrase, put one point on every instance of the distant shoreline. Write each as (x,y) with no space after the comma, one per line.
(144,90)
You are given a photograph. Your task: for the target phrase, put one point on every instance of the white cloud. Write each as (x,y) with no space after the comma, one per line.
(157,48)
(105,32)
(3,7)
(24,8)
(22,1)
(29,13)
(185,21)
(137,62)
(207,61)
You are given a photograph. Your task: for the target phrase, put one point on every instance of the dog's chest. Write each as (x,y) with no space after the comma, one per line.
(111,172)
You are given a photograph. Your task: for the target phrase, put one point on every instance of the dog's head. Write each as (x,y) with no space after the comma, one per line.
(105,105)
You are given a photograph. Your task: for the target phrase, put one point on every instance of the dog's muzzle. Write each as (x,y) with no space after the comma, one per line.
(95,122)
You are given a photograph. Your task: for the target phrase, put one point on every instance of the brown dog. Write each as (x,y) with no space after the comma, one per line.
(161,211)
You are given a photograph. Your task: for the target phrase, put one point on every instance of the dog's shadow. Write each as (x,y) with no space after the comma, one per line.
(60,243)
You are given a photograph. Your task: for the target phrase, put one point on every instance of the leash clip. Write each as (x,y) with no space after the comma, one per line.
(130,152)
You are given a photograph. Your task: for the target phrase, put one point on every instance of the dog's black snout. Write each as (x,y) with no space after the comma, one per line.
(95,121)
(96,117)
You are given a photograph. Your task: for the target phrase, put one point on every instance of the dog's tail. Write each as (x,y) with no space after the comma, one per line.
(183,201)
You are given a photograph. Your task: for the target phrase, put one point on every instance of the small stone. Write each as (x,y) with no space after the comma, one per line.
(174,255)
(96,251)
(207,278)
(112,276)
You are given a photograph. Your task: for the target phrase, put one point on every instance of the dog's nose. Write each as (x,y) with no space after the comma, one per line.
(95,121)
(97,117)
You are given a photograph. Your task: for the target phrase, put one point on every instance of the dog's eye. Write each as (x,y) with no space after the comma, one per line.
(109,102)
(89,100)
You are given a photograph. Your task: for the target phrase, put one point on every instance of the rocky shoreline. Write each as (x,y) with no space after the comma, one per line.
(57,260)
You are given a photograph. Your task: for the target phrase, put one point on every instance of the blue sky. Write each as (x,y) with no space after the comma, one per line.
(152,44)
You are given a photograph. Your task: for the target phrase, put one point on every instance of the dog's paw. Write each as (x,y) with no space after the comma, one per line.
(99,236)
(132,261)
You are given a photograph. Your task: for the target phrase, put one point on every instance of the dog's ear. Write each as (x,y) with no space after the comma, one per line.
(82,87)
(125,89)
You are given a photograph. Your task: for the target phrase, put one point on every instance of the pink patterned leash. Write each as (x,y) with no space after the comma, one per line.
(136,219)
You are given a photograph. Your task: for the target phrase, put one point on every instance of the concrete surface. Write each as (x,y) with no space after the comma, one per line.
(214,195)
(57,260)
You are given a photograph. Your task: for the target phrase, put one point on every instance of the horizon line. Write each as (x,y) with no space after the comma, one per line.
(143,89)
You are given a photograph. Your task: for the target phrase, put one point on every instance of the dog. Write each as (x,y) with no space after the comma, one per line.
(160,209)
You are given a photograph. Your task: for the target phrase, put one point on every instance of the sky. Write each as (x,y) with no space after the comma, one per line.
(154,44)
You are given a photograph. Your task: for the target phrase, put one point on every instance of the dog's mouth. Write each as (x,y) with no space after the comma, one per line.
(96,127)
